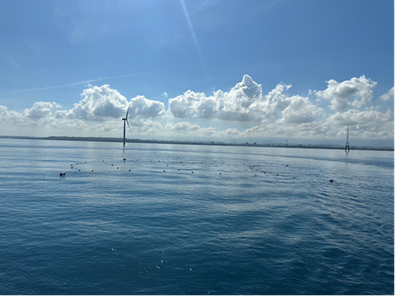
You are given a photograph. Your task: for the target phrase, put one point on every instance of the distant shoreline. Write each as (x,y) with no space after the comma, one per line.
(211,143)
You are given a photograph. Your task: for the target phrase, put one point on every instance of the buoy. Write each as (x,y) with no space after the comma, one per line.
(331,180)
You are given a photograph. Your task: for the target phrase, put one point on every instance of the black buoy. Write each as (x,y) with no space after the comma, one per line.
(331,180)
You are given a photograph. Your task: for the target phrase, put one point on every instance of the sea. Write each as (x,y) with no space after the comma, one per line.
(164,219)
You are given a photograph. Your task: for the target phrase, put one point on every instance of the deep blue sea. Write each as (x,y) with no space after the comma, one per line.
(184,219)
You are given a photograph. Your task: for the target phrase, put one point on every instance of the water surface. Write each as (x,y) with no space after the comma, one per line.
(184,219)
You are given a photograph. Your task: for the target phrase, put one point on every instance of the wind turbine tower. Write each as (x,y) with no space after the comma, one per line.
(347,148)
(125,120)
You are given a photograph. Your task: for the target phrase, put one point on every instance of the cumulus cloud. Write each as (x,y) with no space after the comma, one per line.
(98,104)
(184,106)
(299,110)
(355,92)
(389,95)
(144,108)
(357,117)
(244,111)
(101,103)
(182,126)
(243,103)
(40,110)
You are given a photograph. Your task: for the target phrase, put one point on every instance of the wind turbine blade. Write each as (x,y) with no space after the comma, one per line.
(128,124)
(127,113)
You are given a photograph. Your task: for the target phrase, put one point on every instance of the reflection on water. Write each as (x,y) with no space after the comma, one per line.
(248,220)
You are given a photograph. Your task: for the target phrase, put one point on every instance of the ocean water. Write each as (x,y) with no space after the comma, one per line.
(184,219)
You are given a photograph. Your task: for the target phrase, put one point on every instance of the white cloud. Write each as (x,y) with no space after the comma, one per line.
(101,103)
(40,110)
(299,110)
(98,104)
(182,126)
(242,112)
(184,106)
(389,95)
(370,117)
(243,103)
(355,92)
(140,107)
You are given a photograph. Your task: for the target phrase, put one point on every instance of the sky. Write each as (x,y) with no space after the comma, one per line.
(263,71)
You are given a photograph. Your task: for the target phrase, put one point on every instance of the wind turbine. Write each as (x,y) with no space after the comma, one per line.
(125,120)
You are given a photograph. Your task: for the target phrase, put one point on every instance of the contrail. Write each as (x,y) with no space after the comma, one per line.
(65,85)
(194,36)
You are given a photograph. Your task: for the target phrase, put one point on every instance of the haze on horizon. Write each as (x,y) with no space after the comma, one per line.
(255,71)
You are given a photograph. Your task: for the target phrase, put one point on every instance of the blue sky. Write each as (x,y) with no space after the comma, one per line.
(228,70)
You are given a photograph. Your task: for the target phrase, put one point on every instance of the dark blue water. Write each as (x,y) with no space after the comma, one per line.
(176,219)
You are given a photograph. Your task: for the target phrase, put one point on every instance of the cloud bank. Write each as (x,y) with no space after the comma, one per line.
(243,112)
